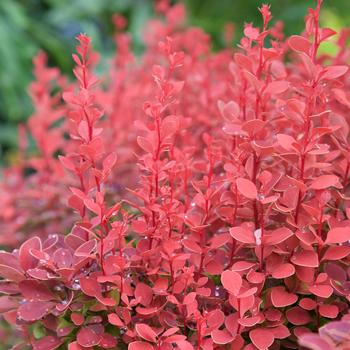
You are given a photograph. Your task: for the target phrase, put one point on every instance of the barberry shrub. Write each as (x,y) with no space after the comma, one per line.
(187,199)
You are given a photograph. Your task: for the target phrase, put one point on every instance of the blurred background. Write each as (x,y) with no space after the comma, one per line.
(29,25)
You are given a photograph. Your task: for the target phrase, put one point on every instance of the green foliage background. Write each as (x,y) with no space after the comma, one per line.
(29,25)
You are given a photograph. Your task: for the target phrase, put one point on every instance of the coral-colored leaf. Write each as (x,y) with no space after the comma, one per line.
(221,337)
(283,271)
(334,72)
(298,316)
(276,87)
(246,188)
(232,281)
(33,290)
(299,43)
(306,258)
(262,338)
(46,343)
(281,298)
(328,310)
(278,236)
(144,293)
(140,345)
(325,181)
(146,332)
(34,310)
(26,260)
(242,235)
(338,235)
(87,337)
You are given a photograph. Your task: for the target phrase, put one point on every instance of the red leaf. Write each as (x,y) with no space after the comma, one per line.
(276,87)
(262,338)
(246,188)
(192,246)
(146,332)
(87,337)
(221,337)
(329,311)
(278,236)
(109,162)
(338,235)
(242,235)
(34,310)
(325,181)
(46,343)
(336,253)
(306,258)
(108,341)
(334,72)
(298,316)
(90,286)
(144,293)
(26,260)
(145,144)
(34,290)
(77,319)
(115,320)
(287,142)
(140,345)
(11,273)
(281,298)
(321,290)
(299,43)
(283,271)
(232,281)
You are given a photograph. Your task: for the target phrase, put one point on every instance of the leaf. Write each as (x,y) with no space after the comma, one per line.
(299,43)
(276,87)
(325,181)
(298,316)
(336,253)
(87,337)
(229,110)
(232,281)
(145,144)
(192,246)
(109,161)
(11,273)
(46,343)
(146,332)
(140,345)
(26,260)
(306,258)
(221,337)
(338,235)
(34,310)
(34,290)
(242,235)
(144,294)
(108,341)
(278,236)
(246,188)
(333,72)
(329,311)
(287,142)
(321,290)
(283,271)
(262,338)
(281,298)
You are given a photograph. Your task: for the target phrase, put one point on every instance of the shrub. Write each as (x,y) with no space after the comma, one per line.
(207,194)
